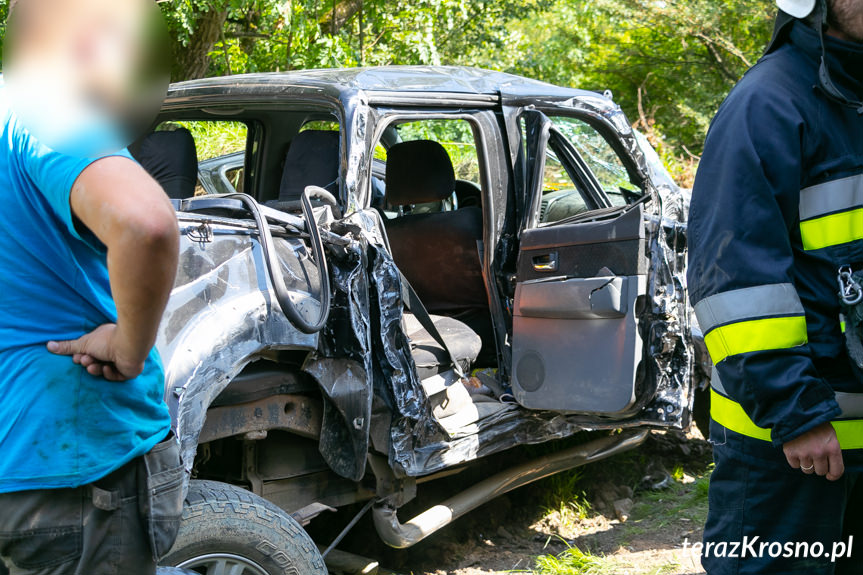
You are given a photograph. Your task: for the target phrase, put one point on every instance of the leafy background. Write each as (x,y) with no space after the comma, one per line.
(668,63)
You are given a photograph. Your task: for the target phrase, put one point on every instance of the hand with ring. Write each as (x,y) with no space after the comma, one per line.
(816,451)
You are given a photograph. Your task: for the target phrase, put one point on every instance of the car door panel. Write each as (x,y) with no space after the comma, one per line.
(560,367)
(563,298)
(576,344)
(584,253)
(594,329)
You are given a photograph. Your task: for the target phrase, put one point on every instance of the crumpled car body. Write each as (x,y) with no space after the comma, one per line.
(586,325)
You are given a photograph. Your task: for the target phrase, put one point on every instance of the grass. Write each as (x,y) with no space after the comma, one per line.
(653,510)
(565,496)
(572,561)
(664,507)
(667,568)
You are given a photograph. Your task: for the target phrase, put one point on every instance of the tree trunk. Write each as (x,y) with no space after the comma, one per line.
(339,16)
(193,61)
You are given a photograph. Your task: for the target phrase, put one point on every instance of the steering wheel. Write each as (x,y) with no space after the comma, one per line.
(316,193)
(468,194)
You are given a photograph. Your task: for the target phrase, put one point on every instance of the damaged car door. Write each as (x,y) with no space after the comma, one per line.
(582,276)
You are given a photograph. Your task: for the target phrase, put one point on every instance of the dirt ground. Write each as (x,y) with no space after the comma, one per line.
(628,515)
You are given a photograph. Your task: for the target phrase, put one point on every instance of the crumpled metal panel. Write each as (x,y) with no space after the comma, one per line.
(365,353)
(222,315)
(359,143)
(343,365)
(419,446)
(391,365)
(413,423)
(344,440)
(670,361)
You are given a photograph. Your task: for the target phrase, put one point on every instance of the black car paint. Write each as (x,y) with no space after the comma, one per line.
(364,337)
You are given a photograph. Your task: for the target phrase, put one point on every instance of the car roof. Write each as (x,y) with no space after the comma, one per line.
(380,84)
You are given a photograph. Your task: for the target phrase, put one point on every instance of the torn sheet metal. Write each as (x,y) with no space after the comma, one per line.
(343,366)
(365,353)
(413,423)
(669,361)
(344,438)
(222,315)
(418,444)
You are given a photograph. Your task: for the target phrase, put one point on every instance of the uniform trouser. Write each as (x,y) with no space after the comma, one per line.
(765,517)
(97,529)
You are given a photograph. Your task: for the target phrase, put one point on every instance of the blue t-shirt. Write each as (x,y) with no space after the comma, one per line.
(59,426)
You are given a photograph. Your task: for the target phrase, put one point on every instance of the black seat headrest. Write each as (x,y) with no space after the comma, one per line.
(419,172)
(312,160)
(171,158)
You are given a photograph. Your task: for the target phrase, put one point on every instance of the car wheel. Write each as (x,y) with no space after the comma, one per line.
(226,529)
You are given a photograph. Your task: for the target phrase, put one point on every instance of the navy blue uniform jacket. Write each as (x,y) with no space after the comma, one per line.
(777,207)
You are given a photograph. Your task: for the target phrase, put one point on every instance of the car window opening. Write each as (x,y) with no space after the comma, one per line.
(601,158)
(195,158)
(425,183)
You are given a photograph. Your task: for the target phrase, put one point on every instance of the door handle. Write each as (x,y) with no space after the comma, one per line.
(546,262)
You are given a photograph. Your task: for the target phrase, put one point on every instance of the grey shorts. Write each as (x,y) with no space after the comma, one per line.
(97,529)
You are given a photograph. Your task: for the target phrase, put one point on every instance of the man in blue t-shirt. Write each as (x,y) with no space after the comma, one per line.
(90,474)
(88,254)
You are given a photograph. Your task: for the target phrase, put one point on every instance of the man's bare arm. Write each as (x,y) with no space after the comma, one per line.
(129,212)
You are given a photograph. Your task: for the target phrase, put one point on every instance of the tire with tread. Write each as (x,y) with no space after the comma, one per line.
(222,518)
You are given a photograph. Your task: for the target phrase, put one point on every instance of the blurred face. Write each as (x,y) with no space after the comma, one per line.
(79,69)
(845,18)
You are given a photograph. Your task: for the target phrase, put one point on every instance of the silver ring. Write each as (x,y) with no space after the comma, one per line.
(810,468)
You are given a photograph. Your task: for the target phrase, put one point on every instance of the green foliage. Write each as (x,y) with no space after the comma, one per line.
(564,494)
(273,35)
(572,561)
(668,506)
(653,510)
(702,486)
(216,138)
(668,62)
(4,15)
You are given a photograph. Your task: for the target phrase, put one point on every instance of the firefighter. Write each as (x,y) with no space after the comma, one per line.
(776,229)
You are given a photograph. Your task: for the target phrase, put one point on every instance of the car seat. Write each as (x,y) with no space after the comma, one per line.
(312,160)
(171,158)
(439,253)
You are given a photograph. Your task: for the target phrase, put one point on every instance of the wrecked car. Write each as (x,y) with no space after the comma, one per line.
(427,266)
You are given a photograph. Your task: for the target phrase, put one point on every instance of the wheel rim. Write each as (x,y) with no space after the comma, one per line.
(223,564)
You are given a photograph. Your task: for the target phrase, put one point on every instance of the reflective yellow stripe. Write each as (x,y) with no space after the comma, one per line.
(832,230)
(755,335)
(849,433)
(729,414)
